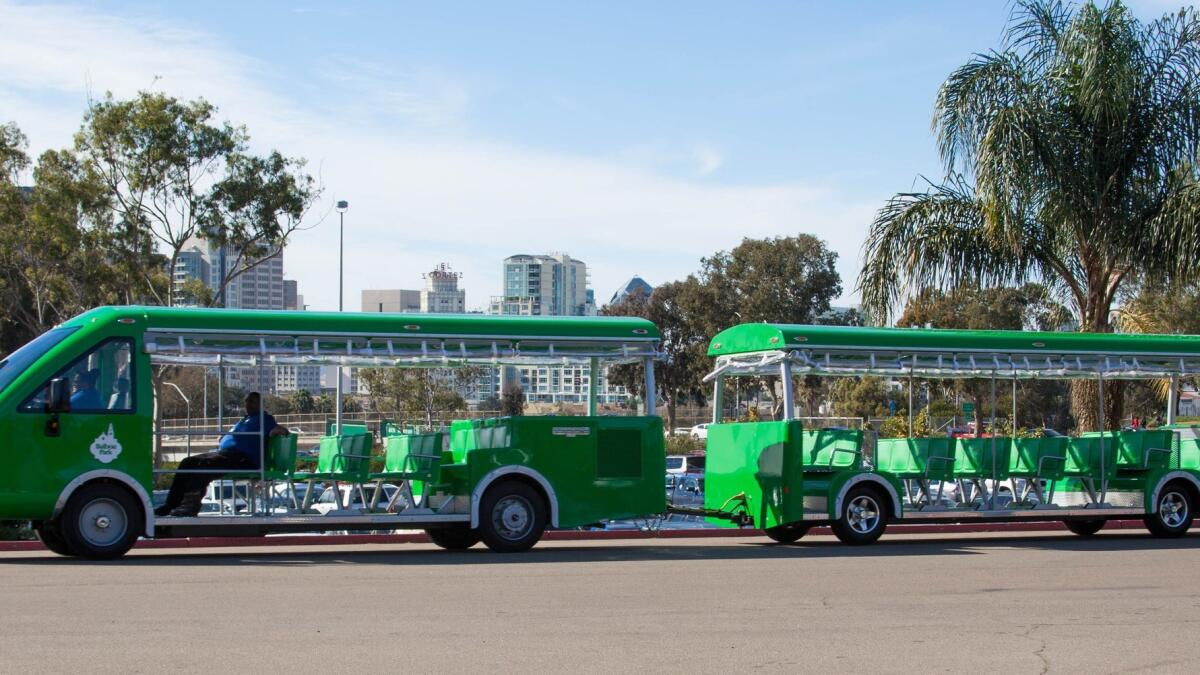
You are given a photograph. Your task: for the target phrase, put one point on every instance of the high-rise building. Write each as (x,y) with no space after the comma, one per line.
(635,285)
(291,295)
(236,282)
(544,285)
(191,263)
(549,285)
(391,300)
(441,294)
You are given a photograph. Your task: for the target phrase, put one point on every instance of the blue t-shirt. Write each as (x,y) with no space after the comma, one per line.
(246,443)
(86,399)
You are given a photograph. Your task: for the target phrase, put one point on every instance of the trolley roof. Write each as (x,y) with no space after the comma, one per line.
(937,353)
(256,337)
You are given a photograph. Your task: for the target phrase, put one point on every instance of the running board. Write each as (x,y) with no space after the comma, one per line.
(216,526)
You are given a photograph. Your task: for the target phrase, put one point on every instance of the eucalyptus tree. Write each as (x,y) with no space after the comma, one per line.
(173,172)
(1070,159)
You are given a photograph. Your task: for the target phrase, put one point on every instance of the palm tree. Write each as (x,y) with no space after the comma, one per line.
(1070,159)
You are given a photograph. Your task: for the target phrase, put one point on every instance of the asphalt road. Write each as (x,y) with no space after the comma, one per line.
(1121,602)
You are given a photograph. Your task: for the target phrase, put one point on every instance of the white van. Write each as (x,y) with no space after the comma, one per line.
(685,464)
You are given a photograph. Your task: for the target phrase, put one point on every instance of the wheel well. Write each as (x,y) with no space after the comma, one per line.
(527,480)
(139,514)
(1187,486)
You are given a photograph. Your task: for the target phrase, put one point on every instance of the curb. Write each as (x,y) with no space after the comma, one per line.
(569,535)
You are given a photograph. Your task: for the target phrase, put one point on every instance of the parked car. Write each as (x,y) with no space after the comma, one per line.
(212,507)
(700,431)
(325,504)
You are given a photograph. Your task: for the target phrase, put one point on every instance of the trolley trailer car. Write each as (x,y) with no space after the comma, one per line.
(783,478)
(80,464)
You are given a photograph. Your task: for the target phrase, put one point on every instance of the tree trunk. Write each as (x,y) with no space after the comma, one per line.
(670,412)
(1085,406)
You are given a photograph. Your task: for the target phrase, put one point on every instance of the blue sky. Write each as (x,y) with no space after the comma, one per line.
(638,137)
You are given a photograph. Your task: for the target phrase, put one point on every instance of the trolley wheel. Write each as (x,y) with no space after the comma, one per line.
(100,521)
(1172,514)
(453,538)
(787,534)
(1084,528)
(51,538)
(512,517)
(863,516)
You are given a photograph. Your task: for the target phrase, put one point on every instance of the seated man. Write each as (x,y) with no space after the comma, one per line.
(86,396)
(238,450)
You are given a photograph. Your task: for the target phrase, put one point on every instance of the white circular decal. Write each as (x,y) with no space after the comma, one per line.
(106,447)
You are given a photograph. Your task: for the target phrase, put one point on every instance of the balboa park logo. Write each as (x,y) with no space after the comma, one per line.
(106,447)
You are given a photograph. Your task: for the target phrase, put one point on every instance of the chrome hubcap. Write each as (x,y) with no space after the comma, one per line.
(863,514)
(513,517)
(1173,509)
(102,522)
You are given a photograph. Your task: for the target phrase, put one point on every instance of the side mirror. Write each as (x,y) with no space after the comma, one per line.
(58,396)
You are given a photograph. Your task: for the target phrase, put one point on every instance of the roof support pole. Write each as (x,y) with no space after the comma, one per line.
(992,491)
(718,399)
(651,388)
(1172,399)
(1103,469)
(910,404)
(1014,407)
(220,393)
(789,405)
(593,376)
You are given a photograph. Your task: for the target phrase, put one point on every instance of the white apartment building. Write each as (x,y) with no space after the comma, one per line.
(549,285)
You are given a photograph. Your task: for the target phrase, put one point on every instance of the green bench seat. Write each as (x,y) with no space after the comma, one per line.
(340,459)
(915,458)
(973,458)
(831,449)
(1044,458)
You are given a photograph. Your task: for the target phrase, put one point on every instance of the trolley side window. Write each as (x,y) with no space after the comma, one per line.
(101,381)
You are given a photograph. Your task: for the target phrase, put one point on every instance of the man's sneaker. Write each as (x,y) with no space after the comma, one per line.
(185,512)
(162,511)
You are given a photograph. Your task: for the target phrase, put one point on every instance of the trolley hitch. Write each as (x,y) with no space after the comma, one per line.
(737,516)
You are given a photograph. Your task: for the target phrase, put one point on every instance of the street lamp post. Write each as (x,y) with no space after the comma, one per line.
(337,403)
(187,403)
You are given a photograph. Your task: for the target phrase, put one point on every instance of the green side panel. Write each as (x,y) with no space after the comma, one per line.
(982,458)
(762,461)
(758,337)
(914,458)
(600,468)
(1189,445)
(831,449)
(1039,457)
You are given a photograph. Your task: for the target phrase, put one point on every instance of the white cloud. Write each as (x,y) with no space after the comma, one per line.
(414,202)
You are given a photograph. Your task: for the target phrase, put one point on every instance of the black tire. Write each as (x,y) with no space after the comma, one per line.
(1173,513)
(787,534)
(101,521)
(512,517)
(863,516)
(1084,528)
(453,538)
(51,539)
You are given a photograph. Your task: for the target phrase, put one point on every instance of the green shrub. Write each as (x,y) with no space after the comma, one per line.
(684,445)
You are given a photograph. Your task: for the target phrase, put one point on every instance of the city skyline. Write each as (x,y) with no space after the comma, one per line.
(644,137)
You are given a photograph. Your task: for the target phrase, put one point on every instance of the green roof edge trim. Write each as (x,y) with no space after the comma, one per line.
(583,328)
(764,337)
